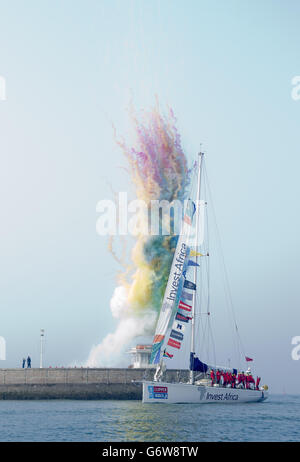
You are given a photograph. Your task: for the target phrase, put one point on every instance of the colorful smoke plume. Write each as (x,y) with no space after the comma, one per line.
(158,170)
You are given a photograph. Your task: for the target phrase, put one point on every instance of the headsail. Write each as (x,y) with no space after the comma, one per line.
(174,283)
(183,311)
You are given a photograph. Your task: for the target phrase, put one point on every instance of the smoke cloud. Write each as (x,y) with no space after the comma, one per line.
(158,171)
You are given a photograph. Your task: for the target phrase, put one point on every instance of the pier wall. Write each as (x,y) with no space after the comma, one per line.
(78,383)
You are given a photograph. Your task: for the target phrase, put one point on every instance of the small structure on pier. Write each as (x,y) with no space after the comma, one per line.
(140,357)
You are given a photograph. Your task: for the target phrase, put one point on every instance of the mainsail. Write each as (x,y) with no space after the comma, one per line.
(174,283)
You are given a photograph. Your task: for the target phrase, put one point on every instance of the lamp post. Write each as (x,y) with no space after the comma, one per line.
(42,344)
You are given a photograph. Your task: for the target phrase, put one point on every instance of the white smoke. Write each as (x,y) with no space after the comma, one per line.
(118,303)
(130,326)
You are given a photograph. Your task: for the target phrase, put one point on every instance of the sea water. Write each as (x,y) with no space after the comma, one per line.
(277,419)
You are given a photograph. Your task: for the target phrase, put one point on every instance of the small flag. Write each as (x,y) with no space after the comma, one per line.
(192,263)
(157,357)
(182,318)
(174,344)
(248,359)
(189,212)
(186,295)
(193,253)
(177,326)
(184,306)
(167,355)
(177,335)
(189,285)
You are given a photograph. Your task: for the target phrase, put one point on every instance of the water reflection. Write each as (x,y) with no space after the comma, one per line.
(135,421)
(275,420)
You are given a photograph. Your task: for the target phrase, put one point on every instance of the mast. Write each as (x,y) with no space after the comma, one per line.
(200,156)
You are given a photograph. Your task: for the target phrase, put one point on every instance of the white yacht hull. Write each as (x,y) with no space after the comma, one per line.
(164,392)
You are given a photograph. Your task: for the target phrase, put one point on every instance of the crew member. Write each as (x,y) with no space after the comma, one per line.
(243,379)
(233,379)
(226,375)
(212,376)
(240,378)
(229,378)
(251,380)
(257,383)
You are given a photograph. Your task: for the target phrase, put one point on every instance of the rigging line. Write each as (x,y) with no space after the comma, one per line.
(210,346)
(203,329)
(238,343)
(211,339)
(207,267)
(207,249)
(207,262)
(210,352)
(204,292)
(227,286)
(202,334)
(205,343)
(213,342)
(199,324)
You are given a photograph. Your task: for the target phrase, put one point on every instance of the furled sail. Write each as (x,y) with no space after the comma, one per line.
(196,364)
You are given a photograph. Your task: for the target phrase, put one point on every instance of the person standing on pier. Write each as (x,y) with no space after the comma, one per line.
(29,362)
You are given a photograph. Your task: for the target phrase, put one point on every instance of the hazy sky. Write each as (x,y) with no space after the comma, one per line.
(71,68)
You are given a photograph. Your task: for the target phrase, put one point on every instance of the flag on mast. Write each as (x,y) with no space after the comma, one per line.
(194,253)
(192,263)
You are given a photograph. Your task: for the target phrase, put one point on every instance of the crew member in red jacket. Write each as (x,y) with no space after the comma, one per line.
(233,379)
(227,378)
(244,380)
(240,378)
(251,380)
(247,381)
(257,383)
(212,376)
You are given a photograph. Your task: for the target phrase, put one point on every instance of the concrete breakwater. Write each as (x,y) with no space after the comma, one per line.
(78,383)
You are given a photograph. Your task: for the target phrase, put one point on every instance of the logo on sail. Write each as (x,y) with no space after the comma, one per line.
(174,343)
(177,335)
(177,273)
(184,306)
(181,317)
